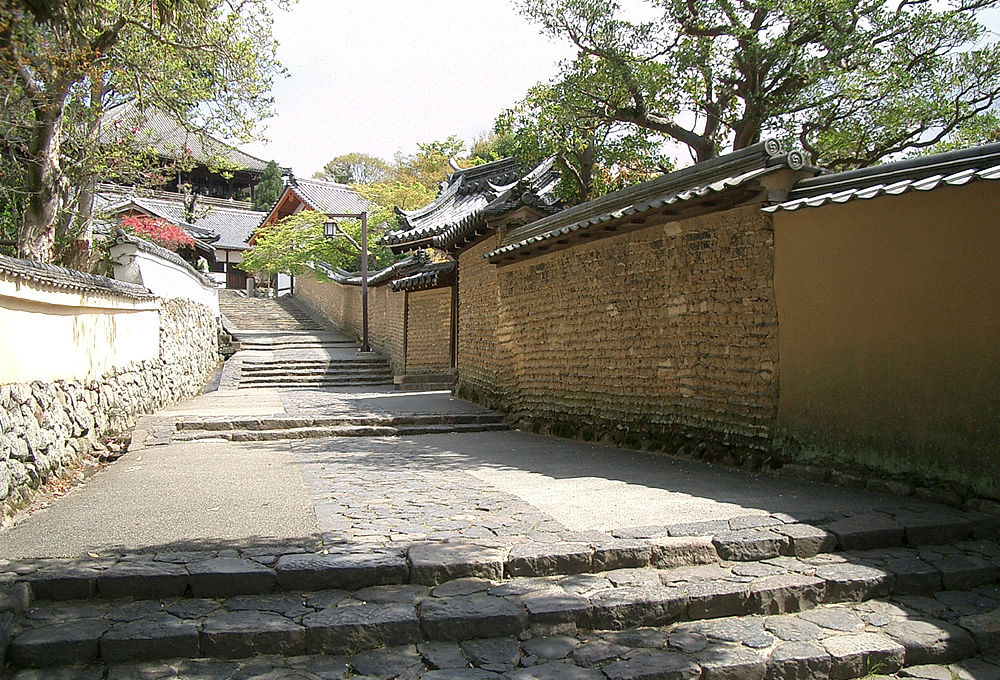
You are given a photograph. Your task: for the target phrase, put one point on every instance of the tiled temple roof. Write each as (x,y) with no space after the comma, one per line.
(471,196)
(329,197)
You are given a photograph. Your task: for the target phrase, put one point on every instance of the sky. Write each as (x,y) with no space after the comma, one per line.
(380,76)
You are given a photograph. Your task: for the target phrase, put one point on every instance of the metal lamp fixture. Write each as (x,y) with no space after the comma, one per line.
(331,230)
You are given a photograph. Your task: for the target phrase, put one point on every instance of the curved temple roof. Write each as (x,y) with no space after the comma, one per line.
(472,195)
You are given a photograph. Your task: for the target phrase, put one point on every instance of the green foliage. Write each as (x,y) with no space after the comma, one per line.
(67,62)
(357,168)
(595,156)
(430,165)
(269,189)
(289,246)
(850,80)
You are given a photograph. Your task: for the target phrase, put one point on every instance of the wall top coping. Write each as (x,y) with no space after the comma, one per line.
(151,248)
(63,279)
(735,175)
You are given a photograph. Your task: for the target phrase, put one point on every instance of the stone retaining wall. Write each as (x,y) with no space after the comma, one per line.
(45,426)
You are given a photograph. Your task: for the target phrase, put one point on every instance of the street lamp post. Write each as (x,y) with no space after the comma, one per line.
(330,231)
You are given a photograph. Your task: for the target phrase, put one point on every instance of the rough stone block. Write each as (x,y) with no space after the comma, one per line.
(234,635)
(933,528)
(715,599)
(312,572)
(470,616)
(61,644)
(931,641)
(64,582)
(621,555)
(805,540)
(750,545)
(436,563)
(16,597)
(681,551)
(914,576)
(350,628)
(653,665)
(855,656)
(143,579)
(798,661)
(545,559)
(962,572)
(556,670)
(493,654)
(846,582)
(985,628)
(147,640)
(867,531)
(985,526)
(707,528)
(461,674)
(6,623)
(229,576)
(731,663)
(622,608)
(785,593)
(553,606)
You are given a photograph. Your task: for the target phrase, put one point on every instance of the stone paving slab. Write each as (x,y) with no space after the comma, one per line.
(726,601)
(877,637)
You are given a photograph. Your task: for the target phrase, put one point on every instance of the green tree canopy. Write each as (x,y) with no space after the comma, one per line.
(357,168)
(269,188)
(850,80)
(67,62)
(594,156)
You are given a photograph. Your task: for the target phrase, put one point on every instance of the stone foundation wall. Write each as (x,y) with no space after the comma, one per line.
(656,338)
(45,426)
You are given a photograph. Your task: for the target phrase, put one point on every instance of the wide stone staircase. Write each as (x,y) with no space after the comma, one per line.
(265,314)
(909,594)
(280,345)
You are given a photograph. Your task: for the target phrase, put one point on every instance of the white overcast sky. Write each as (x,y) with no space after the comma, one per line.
(380,76)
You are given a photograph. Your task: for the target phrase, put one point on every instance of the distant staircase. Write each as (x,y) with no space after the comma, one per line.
(264,314)
(283,346)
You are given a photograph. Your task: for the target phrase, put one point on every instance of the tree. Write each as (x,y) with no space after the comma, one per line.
(357,168)
(594,156)
(157,230)
(71,61)
(431,164)
(269,188)
(850,80)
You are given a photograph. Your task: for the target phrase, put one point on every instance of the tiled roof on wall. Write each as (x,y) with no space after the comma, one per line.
(924,173)
(61,278)
(731,177)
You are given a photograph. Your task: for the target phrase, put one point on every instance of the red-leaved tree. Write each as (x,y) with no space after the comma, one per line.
(157,230)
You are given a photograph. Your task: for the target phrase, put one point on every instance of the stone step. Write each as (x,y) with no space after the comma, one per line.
(835,616)
(284,422)
(338,431)
(845,575)
(305,383)
(293,369)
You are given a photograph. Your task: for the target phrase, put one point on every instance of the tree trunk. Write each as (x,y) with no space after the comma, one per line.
(42,183)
